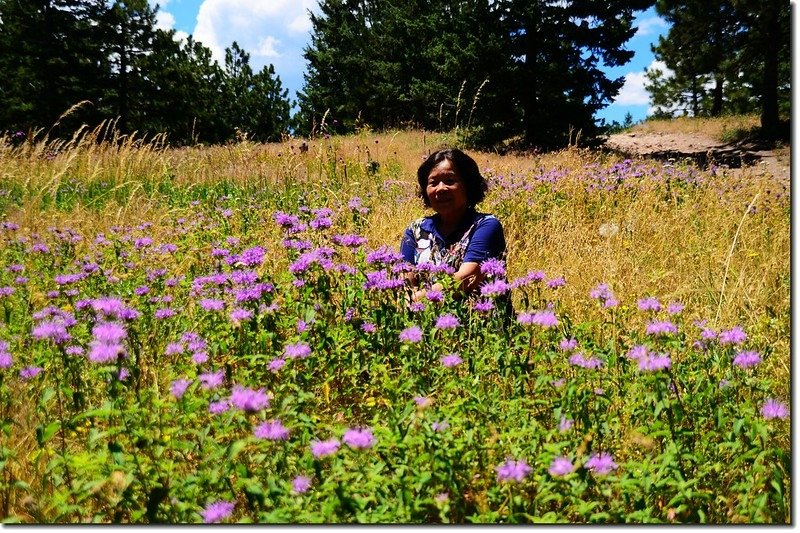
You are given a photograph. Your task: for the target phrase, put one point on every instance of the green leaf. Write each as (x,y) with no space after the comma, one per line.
(44,434)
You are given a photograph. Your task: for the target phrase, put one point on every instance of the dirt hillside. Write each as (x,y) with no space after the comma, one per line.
(703,150)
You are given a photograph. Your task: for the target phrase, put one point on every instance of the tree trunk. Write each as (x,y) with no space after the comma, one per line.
(530,104)
(770,120)
(716,105)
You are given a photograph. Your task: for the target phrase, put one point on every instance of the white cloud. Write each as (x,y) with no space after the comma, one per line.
(271,31)
(267,47)
(633,91)
(651,26)
(165,20)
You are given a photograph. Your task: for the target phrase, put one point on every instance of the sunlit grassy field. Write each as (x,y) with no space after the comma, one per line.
(148,293)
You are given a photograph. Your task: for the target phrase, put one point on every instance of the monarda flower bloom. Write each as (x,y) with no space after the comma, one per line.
(561,466)
(411,334)
(447,321)
(248,400)
(320,449)
(217,512)
(271,430)
(512,470)
(601,464)
(359,438)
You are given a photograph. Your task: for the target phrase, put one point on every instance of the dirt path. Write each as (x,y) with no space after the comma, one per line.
(703,150)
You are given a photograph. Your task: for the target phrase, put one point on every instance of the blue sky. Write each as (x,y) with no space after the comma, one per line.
(275,31)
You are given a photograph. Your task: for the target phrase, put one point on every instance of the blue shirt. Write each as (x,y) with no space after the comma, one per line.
(479,236)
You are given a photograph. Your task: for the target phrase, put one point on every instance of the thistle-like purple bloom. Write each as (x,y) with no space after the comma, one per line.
(567,345)
(512,470)
(773,409)
(733,336)
(29,372)
(561,466)
(747,359)
(544,319)
(218,407)
(211,380)
(601,464)
(649,304)
(299,350)
(240,315)
(54,330)
(179,386)
(447,321)
(579,359)
(100,352)
(411,334)
(493,267)
(276,364)
(217,512)
(324,448)
(359,438)
(565,424)
(301,484)
(637,352)
(555,283)
(434,295)
(272,430)
(249,400)
(369,327)
(661,327)
(212,304)
(440,426)
(494,288)
(675,308)
(451,360)
(654,362)
(483,306)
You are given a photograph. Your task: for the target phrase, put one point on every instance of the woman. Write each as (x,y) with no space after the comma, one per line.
(457,236)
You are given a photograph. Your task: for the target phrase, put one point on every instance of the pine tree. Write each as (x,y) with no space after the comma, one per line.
(51,58)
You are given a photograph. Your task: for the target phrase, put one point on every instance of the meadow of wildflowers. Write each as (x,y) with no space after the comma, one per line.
(221,335)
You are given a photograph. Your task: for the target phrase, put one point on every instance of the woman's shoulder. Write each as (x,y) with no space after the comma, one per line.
(487,219)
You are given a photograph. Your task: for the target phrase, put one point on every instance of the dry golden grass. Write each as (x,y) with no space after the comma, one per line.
(716,128)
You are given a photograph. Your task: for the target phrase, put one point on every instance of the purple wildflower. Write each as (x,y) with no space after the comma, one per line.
(276,364)
(301,484)
(29,372)
(773,409)
(561,466)
(411,334)
(555,283)
(545,318)
(601,463)
(579,359)
(483,306)
(649,304)
(494,288)
(565,424)
(674,308)
(212,304)
(733,336)
(248,400)
(661,327)
(447,321)
(654,362)
(637,352)
(451,360)
(434,295)
(512,470)
(272,430)
(211,380)
(747,359)
(163,313)
(218,407)
(324,448)
(174,348)
(567,345)
(217,512)
(179,386)
(440,426)
(493,267)
(100,352)
(368,327)
(359,438)
(240,315)
(298,350)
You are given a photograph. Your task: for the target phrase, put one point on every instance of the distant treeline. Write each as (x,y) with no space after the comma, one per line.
(499,70)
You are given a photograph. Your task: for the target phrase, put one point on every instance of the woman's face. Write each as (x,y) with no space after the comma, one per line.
(446,190)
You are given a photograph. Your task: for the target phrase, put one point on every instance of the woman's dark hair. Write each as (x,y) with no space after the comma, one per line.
(466,167)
